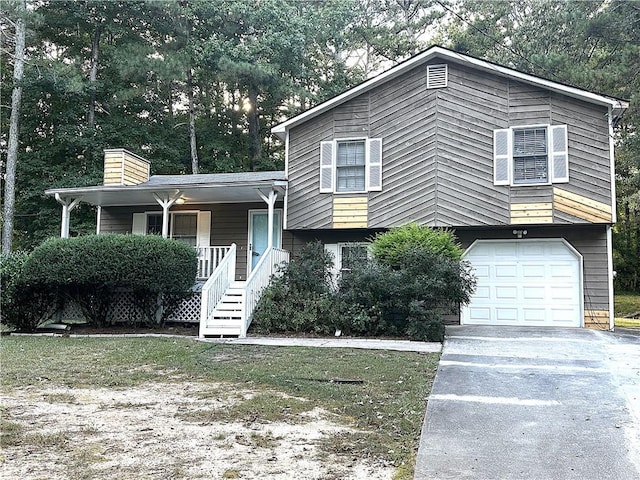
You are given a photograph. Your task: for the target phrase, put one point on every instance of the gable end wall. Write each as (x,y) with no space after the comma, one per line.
(438,150)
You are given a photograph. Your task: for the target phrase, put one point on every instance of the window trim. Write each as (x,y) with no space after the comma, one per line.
(364,166)
(499,156)
(341,268)
(336,250)
(369,144)
(547,132)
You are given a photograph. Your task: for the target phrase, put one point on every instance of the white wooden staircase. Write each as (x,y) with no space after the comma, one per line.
(227,316)
(228,305)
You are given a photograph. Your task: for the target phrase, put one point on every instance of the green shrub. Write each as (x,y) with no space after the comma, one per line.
(23,307)
(300,297)
(91,269)
(372,299)
(410,300)
(391,247)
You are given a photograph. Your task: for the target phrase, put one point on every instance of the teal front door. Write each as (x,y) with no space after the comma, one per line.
(258,235)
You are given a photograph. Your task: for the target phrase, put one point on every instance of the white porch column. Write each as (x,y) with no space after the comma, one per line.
(98,219)
(166,201)
(67,206)
(271,202)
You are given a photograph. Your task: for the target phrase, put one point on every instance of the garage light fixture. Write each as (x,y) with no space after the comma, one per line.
(520,233)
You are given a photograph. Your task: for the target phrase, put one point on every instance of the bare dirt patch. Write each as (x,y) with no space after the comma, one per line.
(167,431)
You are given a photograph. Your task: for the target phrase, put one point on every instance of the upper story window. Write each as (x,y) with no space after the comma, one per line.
(351,165)
(531,155)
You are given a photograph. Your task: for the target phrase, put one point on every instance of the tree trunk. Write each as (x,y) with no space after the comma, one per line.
(12,149)
(195,167)
(93,76)
(255,144)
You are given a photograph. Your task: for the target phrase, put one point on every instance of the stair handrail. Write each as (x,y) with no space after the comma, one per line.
(214,288)
(259,279)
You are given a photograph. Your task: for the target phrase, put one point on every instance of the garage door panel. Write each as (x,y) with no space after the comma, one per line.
(525,282)
(506,271)
(506,293)
(562,271)
(531,250)
(481,271)
(480,314)
(508,251)
(483,293)
(534,315)
(506,315)
(562,294)
(533,293)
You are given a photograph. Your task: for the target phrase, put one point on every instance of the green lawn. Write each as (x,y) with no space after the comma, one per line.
(386,408)
(626,304)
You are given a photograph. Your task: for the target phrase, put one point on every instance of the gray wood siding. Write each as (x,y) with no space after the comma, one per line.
(588,133)
(307,208)
(534,194)
(403,114)
(229,224)
(119,219)
(438,150)
(469,109)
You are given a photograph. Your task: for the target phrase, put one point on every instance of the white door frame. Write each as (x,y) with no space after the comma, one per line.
(277,215)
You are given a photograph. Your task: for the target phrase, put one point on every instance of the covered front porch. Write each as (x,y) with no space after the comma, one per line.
(233,220)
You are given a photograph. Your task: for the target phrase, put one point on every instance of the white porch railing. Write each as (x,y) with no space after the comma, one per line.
(259,279)
(209,258)
(216,285)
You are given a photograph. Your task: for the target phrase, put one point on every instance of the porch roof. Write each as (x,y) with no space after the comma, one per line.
(202,188)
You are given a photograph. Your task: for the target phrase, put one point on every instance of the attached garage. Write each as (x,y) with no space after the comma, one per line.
(525,283)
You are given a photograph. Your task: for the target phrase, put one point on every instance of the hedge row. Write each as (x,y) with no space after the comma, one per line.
(89,270)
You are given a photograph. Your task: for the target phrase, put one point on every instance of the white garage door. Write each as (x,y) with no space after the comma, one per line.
(525,282)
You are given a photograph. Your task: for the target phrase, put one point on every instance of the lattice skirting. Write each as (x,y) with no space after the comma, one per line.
(124,310)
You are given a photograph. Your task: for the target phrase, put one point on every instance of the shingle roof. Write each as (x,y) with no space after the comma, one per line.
(214,178)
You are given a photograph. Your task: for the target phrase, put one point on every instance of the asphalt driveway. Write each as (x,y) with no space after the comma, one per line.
(533,403)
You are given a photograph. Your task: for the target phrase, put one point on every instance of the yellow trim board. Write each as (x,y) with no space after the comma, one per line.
(596,319)
(531,213)
(581,207)
(350,212)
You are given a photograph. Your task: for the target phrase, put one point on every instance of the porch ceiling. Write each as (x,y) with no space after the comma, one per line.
(213,188)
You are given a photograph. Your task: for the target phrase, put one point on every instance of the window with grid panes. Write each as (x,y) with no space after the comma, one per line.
(350,166)
(184,227)
(154,224)
(530,159)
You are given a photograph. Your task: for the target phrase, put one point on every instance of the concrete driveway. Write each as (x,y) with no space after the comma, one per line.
(533,403)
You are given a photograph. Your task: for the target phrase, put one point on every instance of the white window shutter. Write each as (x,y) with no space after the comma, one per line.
(326,167)
(374,164)
(559,154)
(139,224)
(204,229)
(501,155)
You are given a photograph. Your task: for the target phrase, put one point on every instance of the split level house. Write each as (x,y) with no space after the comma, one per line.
(519,167)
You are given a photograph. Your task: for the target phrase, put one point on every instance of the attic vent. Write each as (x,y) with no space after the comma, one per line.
(436,76)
